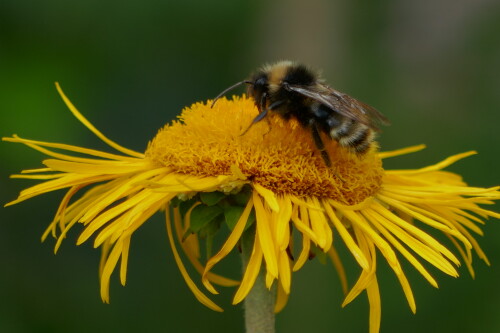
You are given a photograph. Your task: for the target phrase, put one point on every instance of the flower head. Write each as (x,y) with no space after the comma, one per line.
(211,179)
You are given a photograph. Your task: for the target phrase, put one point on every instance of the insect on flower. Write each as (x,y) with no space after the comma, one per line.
(292,90)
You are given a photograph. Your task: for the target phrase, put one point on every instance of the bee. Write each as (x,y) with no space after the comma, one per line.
(292,90)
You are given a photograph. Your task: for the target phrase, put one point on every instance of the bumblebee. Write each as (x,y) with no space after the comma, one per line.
(292,90)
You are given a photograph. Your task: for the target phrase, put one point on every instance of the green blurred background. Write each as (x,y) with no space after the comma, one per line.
(432,67)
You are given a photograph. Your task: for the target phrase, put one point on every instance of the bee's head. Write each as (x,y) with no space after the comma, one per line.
(258,87)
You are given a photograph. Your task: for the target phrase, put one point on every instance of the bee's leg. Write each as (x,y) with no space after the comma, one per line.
(276,104)
(319,144)
(264,112)
(271,107)
(259,117)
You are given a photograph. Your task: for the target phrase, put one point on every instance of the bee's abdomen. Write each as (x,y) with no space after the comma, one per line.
(351,134)
(347,132)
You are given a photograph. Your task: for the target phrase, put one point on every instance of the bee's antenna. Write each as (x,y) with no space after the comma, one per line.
(229,89)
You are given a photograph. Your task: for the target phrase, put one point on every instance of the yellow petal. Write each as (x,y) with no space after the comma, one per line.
(319,226)
(407,255)
(339,267)
(398,152)
(346,237)
(191,249)
(94,130)
(282,228)
(285,273)
(438,166)
(263,234)
(304,254)
(268,196)
(196,292)
(230,243)
(124,262)
(281,299)
(108,268)
(303,227)
(251,272)
(366,277)
(375,306)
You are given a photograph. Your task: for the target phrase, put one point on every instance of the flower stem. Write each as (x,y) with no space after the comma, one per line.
(259,303)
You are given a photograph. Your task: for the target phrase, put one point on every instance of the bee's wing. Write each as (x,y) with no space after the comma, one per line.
(342,104)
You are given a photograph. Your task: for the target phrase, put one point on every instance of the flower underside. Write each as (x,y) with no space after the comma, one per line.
(271,179)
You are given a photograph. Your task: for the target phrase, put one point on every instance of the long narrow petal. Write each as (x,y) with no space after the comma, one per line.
(193,254)
(251,272)
(339,267)
(197,292)
(263,233)
(366,277)
(406,254)
(281,299)
(109,267)
(94,130)
(124,261)
(285,272)
(268,196)
(375,306)
(283,223)
(304,253)
(346,237)
(398,152)
(361,224)
(438,166)
(319,226)
(35,144)
(230,243)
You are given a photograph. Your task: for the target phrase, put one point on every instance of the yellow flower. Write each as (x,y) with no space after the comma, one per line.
(204,174)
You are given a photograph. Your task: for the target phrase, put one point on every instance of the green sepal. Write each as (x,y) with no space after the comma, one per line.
(208,233)
(241,198)
(232,215)
(202,215)
(211,198)
(175,202)
(209,244)
(251,220)
(185,206)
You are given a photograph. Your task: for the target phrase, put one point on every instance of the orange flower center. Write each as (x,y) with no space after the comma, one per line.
(280,155)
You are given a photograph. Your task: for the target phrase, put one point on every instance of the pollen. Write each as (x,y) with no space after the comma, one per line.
(277,154)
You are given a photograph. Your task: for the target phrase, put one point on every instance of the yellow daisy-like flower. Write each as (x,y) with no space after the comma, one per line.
(271,181)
